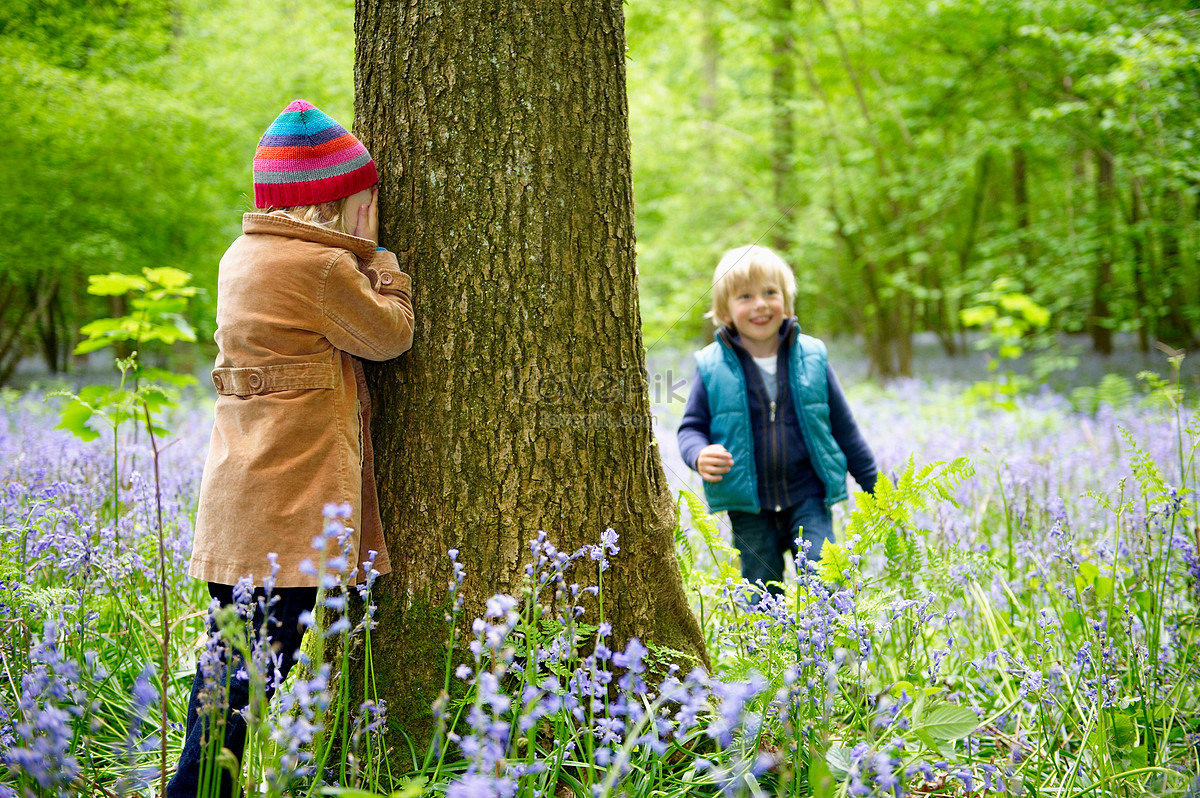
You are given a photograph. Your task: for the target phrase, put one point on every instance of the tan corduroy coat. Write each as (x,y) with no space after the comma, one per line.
(296,304)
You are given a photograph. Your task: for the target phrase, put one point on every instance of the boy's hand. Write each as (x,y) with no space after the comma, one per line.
(713,461)
(367,224)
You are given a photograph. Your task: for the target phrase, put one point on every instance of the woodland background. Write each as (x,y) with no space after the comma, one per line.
(902,155)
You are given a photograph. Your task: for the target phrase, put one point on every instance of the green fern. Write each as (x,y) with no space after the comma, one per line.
(897,547)
(1145,471)
(723,554)
(893,506)
(45,599)
(683,546)
(835,560)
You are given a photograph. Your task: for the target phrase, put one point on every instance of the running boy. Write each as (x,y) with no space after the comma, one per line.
(767,425)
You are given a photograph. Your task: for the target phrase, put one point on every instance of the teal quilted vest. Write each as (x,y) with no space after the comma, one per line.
(725,383)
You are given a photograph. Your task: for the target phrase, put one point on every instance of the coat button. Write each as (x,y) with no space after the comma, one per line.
(255,380)
(385,279)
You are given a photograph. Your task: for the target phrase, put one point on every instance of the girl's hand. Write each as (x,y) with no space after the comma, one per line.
(713,461)
(367,224)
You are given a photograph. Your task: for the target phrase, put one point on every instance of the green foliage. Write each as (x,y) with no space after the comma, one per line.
(119,158)
(929,149)
(1007,315)
(1013,323)
(905,155)
(946,723)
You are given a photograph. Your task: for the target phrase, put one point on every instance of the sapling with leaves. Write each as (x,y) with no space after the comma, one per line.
(159,305)
(1014,324)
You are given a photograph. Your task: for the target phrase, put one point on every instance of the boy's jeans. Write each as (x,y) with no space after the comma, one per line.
(762,538)
(287,635)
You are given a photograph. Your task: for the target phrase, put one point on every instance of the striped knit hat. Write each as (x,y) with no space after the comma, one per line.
(306,158)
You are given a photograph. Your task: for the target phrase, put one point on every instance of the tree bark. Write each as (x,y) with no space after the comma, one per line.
(501,134)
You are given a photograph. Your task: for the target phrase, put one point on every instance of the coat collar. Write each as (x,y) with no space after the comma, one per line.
(280,225)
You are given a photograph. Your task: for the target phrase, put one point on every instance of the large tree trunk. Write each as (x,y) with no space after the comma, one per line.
(502,138)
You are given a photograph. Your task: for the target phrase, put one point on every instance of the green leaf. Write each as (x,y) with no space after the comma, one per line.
(821,783)
(918,708)
(115,284)
(949,723)
(74,418)
(839,761)
(167,377)
(96,394)
(1072,620)
(896,546)
(104,332)
(977,316)
(1123,732)
(1137,758)
(168,277)
(154,305)
(925,737)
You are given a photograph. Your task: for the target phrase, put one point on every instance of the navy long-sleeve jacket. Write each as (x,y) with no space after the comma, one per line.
(785,472)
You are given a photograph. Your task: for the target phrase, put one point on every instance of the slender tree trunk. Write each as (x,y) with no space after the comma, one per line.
(783,145)
(1098,323)
(48,328)
(710,60)
(502,138)
(1020,183)
(1175,328)
(1137,239)
(906,313)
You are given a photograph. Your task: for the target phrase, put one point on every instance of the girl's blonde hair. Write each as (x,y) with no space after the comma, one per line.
(750,265)
(330,215)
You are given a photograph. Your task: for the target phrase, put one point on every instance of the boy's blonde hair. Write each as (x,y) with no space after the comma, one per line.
(746,265)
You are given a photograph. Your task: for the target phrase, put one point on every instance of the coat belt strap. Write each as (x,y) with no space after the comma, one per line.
(267,379)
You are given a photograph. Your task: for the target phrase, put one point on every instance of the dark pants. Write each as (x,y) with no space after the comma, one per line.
(763,537)
(285,633)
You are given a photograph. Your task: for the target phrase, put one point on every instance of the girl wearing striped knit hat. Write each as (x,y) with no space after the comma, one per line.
(302,294)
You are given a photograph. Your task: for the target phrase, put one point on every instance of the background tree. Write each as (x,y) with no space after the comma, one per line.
(502,136)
